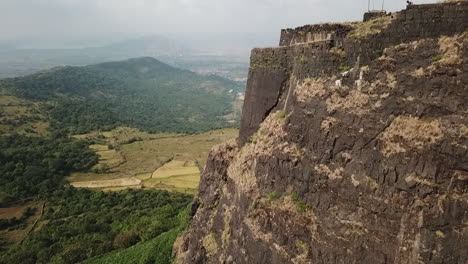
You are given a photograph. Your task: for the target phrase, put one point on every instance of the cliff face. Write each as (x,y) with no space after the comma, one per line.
(353,149)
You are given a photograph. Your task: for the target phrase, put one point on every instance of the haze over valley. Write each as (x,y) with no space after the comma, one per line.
(233,132)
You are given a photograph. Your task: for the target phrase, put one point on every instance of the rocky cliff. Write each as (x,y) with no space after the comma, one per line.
(353,148)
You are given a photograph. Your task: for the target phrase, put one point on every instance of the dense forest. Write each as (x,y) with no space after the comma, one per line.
(79,224)
(82,224)
(32,166)
(142,93)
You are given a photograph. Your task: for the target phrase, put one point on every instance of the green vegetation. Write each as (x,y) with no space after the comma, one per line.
(253,139)
(301,206)
(142,93)
(272,196)
(344,68)
(81,224)
(280,115)
(339,53)
(30,166)
(437,58)
(45,220)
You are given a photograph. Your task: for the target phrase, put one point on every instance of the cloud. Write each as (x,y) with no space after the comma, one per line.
(73,18)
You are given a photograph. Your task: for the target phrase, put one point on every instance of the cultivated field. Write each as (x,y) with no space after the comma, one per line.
(130,158)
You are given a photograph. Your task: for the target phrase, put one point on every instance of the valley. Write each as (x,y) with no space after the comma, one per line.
(130,158)
(96,159)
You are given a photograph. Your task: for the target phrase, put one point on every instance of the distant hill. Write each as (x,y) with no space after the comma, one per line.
(143,93)
(154,46)
(25,61)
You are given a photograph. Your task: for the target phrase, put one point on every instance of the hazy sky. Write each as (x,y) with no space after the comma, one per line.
(28,19)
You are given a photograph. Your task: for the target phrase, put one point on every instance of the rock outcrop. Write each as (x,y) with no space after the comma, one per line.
(353,149)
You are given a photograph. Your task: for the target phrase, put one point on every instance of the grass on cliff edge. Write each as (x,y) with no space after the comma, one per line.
(374,26)
(157,250)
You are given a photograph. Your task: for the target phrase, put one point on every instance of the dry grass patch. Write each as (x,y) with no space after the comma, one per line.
(97,147)
(414,178)
(310,88)
(418,73)
(271,137)
(354,102)
(144,176)
(323,169)
(451,49)
(328,123)
(176,168)
(183,181)
(123,182)
(371,27)
(210,244)
(409,132)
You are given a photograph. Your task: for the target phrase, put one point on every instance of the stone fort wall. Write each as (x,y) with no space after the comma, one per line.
(315,50)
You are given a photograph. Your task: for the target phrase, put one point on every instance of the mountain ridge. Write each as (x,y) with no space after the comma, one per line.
(141,92)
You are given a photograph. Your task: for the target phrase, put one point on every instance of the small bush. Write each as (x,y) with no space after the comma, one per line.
(301,206)
(272,195)
(253,139)
(280,115)
(338,52)
(125,240)
(437,58)
(294,197)
(344,68)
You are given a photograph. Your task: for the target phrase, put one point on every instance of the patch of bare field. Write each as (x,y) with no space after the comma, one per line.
(16,236)
(122,182)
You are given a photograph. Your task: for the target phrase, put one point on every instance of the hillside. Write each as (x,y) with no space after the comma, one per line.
(143,93)
(66,196)
(353,148)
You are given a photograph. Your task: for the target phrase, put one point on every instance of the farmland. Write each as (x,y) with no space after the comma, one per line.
(130,158)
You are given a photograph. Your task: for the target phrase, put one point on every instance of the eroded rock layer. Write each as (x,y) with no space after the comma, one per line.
(342,159)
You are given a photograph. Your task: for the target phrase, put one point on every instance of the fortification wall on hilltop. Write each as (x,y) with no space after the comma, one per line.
(311,33)
(415,21)
(315,50)
(374,14)
(368,165)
